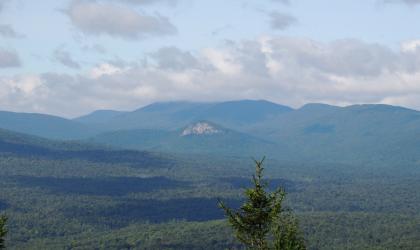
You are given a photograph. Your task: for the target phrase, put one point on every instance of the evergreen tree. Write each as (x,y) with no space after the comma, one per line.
(3,231)
(287,235)
(260,223)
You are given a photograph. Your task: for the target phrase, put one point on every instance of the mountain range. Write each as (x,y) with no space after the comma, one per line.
(358,134)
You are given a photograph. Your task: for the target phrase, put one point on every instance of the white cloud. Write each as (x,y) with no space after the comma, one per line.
(96,18)
(25,84)
(410,46)
(291,71)
(175,59)
(105,69)
(223,61)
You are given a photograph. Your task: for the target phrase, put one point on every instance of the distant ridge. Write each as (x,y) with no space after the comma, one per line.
(177,114)
(366,134)
(47,126)
(99,116)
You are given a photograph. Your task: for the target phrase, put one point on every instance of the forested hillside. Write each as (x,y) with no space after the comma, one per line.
(72,195)
(368,136)
(44,125)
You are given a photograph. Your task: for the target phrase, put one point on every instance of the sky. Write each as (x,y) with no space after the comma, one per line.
(70,57)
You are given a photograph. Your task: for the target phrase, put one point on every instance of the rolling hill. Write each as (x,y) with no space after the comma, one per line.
(24,146)
(201,137)
(319,133)
(47,126)
(175,115)
(359,134)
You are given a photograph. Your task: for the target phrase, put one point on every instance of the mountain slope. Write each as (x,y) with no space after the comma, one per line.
(359,134)
(47,126)
(200,137)
(356,135)
(245,113)
(158,116)
(27,146)
(99,116)
(318,133)
(170,115)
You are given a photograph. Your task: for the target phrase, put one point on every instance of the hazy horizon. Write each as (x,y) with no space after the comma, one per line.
(204,102)
(71,57)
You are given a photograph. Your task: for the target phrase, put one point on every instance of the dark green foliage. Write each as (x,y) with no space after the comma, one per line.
(72,201)
(3,231)
(262,218)
(26,146)
(287,235)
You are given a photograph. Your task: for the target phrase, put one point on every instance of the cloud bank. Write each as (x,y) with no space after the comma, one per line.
(291,71)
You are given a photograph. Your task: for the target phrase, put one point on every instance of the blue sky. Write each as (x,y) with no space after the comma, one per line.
(71,57)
